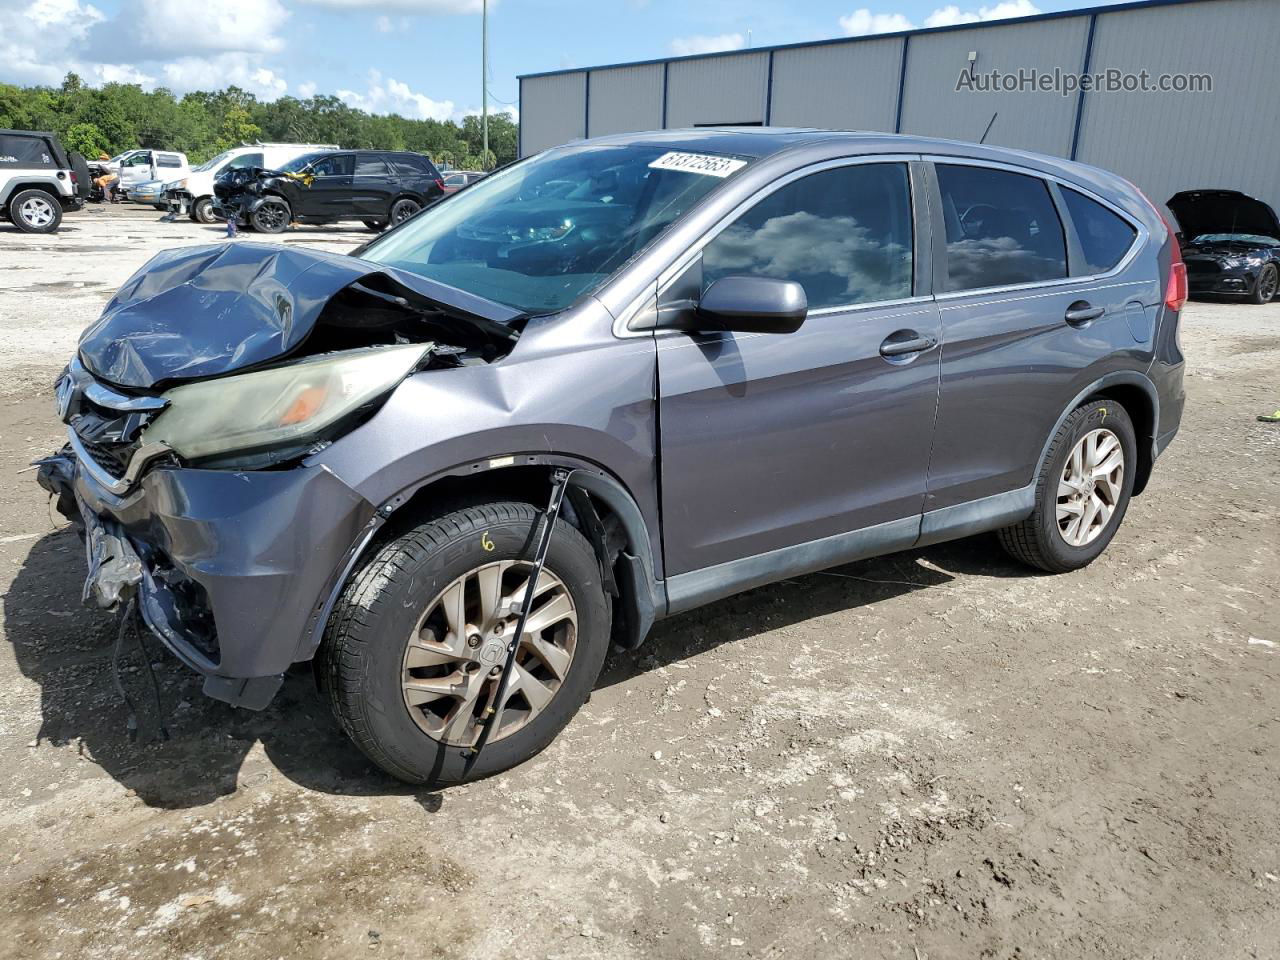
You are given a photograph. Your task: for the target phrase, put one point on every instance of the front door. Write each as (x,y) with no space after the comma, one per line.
(773,440)
(329,195)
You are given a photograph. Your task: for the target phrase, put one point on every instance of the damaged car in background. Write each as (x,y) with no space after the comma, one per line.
(1230,243)
(434,468)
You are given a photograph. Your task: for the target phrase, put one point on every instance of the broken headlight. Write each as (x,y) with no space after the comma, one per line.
(285,405)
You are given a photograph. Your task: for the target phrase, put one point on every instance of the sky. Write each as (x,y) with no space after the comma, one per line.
(419,58)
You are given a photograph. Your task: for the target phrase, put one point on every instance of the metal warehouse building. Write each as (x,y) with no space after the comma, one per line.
(907,83)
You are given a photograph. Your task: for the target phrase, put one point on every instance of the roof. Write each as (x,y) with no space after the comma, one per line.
(982,25)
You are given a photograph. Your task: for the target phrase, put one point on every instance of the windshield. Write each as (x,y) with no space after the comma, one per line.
(213,164)
(542,233)
(297,164)
(1250,238)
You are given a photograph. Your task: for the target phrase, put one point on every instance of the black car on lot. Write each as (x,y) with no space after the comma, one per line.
(378,187)
(1230,243)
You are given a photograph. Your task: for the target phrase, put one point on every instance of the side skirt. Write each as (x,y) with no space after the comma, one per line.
(689,590)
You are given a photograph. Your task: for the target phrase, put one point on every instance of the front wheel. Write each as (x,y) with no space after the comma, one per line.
(271,217)
(1082,492)
(34,211)
(202,211)
(412,652)
(377,226)
(1268,282)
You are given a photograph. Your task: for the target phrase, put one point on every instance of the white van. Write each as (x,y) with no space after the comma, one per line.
(141,166)
(193,195)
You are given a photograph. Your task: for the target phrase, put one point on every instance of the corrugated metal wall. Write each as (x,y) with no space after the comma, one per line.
(717,90)
(1030,121)
(553,110)
(849,86)
(1165,142)
(625,99)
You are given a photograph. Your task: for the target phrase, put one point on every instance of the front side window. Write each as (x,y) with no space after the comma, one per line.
(1104,236)
(246,161)
(139,160)
(338,165)
(1002,228)
(843,234)
(540,234)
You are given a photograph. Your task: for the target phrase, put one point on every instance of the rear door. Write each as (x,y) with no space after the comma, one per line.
(1027,322)
(769,441)
(373,188)
(330,194)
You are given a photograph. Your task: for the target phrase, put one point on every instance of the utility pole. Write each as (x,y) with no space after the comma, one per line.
(484,81)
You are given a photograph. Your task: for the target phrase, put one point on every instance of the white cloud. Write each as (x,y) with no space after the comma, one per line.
(37,41)
(404,6)
(510,111)
(388,95)
(384,24)
(952,14)
(306,90)
(216,72)
(121,73)
(158,29)
(688,46)
(862,22)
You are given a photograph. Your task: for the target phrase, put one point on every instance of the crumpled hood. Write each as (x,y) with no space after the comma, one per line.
(1222,211)
(199,312)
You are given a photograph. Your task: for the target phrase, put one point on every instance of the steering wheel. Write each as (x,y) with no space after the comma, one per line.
(973,218)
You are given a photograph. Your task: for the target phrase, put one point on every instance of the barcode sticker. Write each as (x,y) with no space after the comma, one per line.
(703,163)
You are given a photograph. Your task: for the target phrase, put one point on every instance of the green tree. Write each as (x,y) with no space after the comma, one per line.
(85,138)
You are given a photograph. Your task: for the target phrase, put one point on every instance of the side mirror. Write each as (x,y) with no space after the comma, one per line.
(752,305)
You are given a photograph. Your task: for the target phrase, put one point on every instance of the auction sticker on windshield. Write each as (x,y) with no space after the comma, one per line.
(703,163)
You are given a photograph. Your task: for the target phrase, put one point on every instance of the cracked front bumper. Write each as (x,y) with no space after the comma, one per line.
(234,571)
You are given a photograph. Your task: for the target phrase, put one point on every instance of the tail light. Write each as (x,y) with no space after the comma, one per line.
(440,184)
(1175,291)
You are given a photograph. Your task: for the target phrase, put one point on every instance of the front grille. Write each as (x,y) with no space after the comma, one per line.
(113,460)
(1203,267)
(108,427)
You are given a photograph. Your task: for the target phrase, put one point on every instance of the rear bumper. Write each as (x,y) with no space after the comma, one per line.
(233,571)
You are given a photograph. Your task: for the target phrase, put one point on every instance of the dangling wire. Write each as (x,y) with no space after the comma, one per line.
(126,624)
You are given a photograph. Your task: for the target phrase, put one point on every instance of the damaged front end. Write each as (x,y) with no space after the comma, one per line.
(192,407)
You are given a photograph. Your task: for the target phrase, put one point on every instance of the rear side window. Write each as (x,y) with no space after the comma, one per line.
(168,160)
(370,165)
(842,234)
(26,152)
(1104,237)
(407,165)
(1001,227)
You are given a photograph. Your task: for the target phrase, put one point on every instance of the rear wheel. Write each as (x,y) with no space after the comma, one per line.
(1082,492)
(402,210)
(272,217)
(412,652)
(377,226)
(35,211)
(1264,290)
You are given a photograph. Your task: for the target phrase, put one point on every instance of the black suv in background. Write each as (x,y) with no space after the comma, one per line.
(378,187)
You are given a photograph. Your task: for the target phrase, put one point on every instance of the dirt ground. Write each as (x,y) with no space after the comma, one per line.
(934,754)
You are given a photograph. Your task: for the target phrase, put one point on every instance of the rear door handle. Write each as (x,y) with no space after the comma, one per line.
(1082,311)
(903,342)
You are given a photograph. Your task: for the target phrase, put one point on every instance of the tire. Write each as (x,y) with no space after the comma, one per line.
(273,216)
(1040,540)
(1264,289)
(403,209)
(162,207)
(35,211)
(377,226)
(363,660)
(202,211)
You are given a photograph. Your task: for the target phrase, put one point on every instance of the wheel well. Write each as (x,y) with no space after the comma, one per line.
(1142,412)
(38,185)
(608,532)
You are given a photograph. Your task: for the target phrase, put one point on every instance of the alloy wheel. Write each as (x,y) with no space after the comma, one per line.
(1090,487)
(37,211)
(453,657)
(1268,283)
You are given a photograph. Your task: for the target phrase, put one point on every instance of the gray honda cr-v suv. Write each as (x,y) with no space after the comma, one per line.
(713,358)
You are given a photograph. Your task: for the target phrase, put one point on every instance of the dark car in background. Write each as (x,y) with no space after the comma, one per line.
(853,344)
(1230,243)
(380,188)
(39,180)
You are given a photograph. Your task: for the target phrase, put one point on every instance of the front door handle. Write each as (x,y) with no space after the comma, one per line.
(903,342)
(1082,311)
